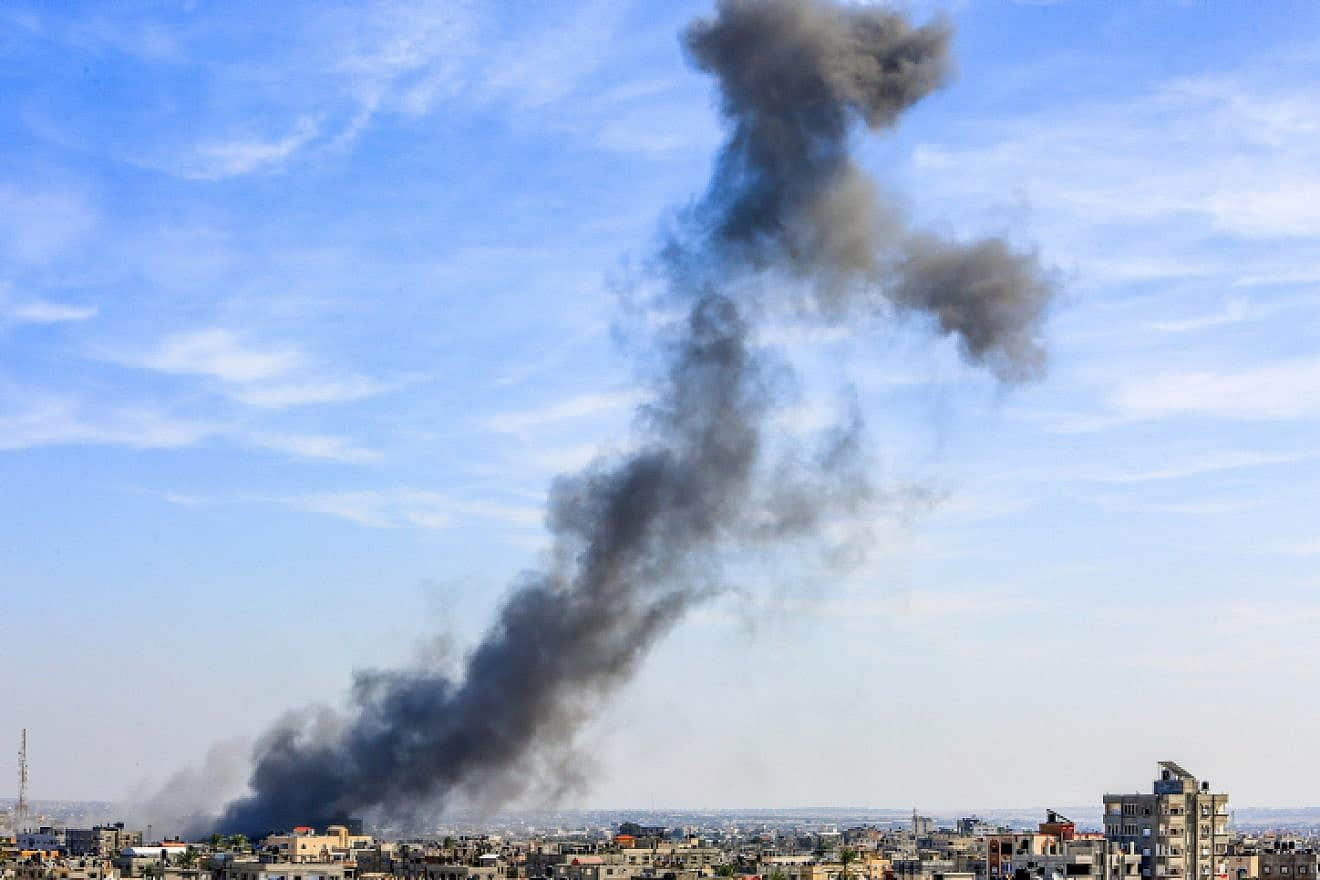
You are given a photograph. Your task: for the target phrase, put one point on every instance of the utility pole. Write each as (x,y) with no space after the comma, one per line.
(21,808)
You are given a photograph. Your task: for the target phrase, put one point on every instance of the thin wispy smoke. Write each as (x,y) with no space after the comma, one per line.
(789,219)
(188,798)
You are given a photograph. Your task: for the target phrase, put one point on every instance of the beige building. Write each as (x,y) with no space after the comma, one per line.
(438,869)
(256,870)
(1180,830)
(795,868)
(303,844)
(1242,866)
(1008,852)
(1288,863)
(65,869)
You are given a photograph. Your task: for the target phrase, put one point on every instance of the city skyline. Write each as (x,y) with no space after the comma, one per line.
(1106,809)
(303,309)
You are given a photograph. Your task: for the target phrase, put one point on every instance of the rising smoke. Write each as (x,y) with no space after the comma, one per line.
(788,219)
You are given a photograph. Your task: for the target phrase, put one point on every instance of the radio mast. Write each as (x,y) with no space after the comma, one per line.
(21,808)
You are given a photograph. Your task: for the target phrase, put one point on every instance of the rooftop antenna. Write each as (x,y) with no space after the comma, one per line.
(21,808)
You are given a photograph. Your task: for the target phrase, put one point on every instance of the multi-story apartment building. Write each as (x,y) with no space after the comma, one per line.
(1057,850)
(101,840)
(1288,862)
(46,837)
(974,826)
(1180,829)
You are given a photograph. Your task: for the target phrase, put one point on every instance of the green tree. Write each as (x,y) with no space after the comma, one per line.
(238,841)
(847,857)
(217,841)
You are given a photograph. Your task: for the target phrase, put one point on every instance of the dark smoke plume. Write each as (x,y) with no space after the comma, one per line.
(787,219)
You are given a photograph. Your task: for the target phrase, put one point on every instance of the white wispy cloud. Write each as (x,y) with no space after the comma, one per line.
(180,499)
(1181,507)
(220,354)
(401,56)
(1207,463)
(313,391)
(324,447)
(576,407)
(378,510)
(1280,391)
(543,66)
(1132,187)
(51,420)
(344,68)
(47,312)
(37,419)
(218,159)
(1136,162)
(271,376)
(1235,311)
(403,507)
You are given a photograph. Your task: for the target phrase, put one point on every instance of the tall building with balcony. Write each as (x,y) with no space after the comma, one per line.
(1180,830)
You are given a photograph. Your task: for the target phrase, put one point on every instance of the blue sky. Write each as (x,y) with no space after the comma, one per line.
(302,306)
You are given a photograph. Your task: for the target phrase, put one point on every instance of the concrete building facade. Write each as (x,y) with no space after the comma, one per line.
(1180,829)
(101,840)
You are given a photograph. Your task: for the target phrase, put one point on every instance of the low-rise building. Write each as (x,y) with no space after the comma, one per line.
(101,839)
(252,869)
(1288,863)
(60,868)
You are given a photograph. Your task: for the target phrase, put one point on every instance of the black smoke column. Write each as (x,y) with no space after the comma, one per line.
(787,219)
